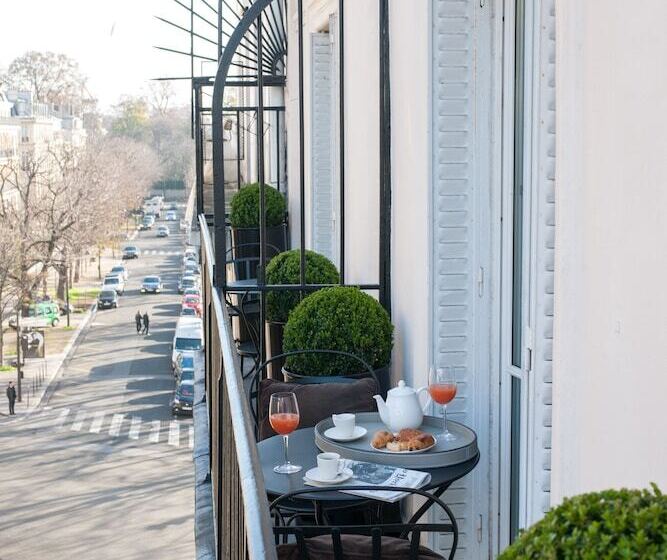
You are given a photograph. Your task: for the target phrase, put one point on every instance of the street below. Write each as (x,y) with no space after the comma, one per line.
(103,470)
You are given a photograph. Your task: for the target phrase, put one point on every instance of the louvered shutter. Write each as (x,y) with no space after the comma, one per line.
(454,88)
(544,265)
(321,155)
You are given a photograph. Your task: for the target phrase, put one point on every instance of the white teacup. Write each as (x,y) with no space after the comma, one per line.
(344,423)
(328,465)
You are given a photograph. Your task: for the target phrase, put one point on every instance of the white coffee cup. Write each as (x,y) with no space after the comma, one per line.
(328,465)
(344,423)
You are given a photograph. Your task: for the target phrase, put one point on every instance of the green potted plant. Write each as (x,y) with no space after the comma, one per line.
(244,220)
(609,524)
(285,268)
(340,318)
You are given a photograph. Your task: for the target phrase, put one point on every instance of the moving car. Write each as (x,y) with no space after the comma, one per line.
(114,282)
(120,270)
(187,282)
(170,216)
(107,299)
(183,398)
(151,284)
(130,252)
(163,231)
(147,222)
(189,337)
(38,315)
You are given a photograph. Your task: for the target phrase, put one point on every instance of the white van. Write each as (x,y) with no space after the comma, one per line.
(189,337)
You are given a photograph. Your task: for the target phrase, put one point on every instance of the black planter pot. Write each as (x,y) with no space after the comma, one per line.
(274,346)
(383,376)
(245,244)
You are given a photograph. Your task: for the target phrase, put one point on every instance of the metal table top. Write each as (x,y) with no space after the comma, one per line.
(303,451)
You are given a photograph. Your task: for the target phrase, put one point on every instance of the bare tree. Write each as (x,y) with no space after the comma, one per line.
(160,94)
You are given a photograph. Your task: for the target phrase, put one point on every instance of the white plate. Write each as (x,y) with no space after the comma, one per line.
(359,432)
(385,450)
(313,475)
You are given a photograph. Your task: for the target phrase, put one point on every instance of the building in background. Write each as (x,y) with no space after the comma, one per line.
(10,132)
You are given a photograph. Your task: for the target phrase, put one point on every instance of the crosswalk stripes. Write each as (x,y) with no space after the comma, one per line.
(135,427)
(116,423)
(191,437)
(96,425)
(62,417)
(155,252)
(174,433)
(154,436)
(78,420)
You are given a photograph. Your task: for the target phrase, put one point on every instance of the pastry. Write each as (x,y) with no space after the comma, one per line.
(380,439)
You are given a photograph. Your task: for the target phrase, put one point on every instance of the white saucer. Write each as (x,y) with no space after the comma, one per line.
(313,475)
(332,433)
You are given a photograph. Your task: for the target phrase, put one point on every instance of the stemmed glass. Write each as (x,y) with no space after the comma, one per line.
(442,388)
(284,419)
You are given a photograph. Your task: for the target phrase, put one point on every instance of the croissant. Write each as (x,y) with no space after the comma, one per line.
(380,439)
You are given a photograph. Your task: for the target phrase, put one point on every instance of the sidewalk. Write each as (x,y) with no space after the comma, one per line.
(39,374)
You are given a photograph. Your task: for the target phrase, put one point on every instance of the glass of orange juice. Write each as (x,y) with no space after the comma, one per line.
(442,388)
(284,419)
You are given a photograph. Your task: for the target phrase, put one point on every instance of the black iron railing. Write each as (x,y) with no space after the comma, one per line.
(242,520)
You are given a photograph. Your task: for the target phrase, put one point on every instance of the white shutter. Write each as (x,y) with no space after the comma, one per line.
(321,155)
(544,261)
(455,114)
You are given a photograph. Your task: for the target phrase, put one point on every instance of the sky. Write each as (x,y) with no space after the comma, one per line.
(112,41)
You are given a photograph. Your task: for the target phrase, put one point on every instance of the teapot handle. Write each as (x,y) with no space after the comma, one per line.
(428,398)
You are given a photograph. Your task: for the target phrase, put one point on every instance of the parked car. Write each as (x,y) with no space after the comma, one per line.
(38,315)
(107,299)
(183,398)
(130,252)
(192,292)
(120,270)
(183,226)
(191,255)
(163,231)
(147,222)
(191,270)
(151,284)
(188,311)
(189,337)
(170,216)
(187,282)
(194,302)
(114,282)
(184,362)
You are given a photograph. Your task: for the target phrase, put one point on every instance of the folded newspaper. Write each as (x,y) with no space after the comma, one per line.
(372,474)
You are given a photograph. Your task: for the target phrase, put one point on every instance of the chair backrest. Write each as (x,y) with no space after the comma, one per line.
(412,529)
(259,374)
(244,260)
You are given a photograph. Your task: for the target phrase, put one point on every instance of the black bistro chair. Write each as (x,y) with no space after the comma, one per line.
(375,541)
(329,395)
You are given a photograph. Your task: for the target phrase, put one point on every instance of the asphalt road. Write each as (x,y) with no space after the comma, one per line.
(103,470)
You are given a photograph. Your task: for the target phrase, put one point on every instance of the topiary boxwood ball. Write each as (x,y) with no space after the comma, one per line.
(340,318)
(245,207)
(612,524)
(285,268)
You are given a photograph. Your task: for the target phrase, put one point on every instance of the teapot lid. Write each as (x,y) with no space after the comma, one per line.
(401,390)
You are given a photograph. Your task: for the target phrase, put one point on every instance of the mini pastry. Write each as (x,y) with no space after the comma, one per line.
(380,439)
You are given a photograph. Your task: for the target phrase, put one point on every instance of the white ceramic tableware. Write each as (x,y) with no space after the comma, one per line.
(334,434)
(344,423)
(314,476)
(402,408)
(328,465)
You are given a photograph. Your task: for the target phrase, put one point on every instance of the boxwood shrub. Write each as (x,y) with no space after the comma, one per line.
(628,524)
(339,318)
(245,207)
(285,268)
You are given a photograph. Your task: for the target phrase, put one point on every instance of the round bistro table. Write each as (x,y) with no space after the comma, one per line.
(303,451)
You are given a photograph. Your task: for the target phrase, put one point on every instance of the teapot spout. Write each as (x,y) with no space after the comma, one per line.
(382,409)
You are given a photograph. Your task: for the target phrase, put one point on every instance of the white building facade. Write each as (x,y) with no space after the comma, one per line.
(528,169)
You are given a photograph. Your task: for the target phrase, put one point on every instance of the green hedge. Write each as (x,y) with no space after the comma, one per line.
(340,318)
(285,268)
(614,524)
(245,207)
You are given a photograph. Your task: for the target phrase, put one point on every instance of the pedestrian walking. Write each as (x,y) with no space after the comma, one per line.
(137,320)
(11,397)
(146,323)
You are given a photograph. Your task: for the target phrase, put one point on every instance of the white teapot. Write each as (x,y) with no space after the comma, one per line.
(402,408)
